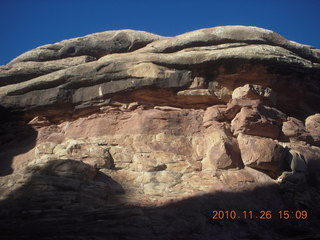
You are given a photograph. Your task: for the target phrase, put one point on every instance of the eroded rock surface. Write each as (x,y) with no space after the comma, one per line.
(130,135)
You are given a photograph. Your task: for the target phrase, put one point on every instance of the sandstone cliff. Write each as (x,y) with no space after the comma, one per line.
(130,135)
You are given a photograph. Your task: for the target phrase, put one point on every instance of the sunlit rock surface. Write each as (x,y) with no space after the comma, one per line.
(130,135)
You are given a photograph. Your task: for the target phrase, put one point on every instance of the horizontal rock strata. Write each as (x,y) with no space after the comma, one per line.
(130,135)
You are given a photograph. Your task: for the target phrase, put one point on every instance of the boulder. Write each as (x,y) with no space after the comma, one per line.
(258,120)
(234,106)
(222,151)
(214,113)
(251,91)
(261,153)
(294,130)
(311,156)
(313,127)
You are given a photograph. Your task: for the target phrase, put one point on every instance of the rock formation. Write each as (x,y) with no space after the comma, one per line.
(130,135)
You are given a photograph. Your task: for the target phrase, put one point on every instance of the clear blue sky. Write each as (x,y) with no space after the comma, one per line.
(26,24)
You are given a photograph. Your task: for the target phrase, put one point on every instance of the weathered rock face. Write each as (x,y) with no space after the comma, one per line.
(218,59)
(130,135)
(313,127)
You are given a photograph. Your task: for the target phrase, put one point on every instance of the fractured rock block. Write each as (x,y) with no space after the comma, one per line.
(310,154)
(251,91)
(222,150)
(313,127)
(258,120)
(261,153)
(294,130)
(214,113)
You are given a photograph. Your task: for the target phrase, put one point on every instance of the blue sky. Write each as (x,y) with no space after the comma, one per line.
(26,24)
